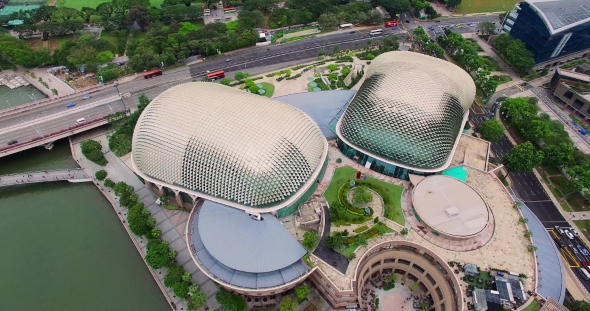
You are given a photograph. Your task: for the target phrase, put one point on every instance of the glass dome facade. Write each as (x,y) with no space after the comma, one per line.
(409,112)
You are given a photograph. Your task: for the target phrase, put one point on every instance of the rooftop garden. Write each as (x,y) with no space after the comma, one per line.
(337,192)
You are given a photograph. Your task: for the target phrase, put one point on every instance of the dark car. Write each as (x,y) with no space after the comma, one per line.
(407,21)
(352,31)
(559,243)
(12,142)
(437,21)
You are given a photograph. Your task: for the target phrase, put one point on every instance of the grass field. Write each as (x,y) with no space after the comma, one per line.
(78,4)
(481,6)
(269,88)
(491,63)
(532,306)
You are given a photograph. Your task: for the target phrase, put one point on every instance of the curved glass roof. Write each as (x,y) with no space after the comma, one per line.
(409,111)
(228,145)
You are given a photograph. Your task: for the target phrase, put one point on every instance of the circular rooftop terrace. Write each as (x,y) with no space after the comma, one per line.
(450,207)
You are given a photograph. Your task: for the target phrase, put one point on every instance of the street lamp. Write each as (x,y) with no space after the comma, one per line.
(120,97)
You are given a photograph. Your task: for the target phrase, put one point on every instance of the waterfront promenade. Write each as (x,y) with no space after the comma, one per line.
(71,175)
(172,223)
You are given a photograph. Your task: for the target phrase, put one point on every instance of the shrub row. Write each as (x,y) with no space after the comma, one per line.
(361,229)
(293,77)
(343,200)
(387,204)
(244,81)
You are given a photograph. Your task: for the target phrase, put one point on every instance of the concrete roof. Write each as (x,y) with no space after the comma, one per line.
(561,15)
(450,206)
(241,243)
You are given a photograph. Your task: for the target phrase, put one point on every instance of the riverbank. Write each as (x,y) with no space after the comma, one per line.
(172,223)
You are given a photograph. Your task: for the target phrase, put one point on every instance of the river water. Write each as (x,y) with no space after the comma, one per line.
(63,248)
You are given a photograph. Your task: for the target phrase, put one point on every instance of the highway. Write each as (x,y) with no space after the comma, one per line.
(574,252)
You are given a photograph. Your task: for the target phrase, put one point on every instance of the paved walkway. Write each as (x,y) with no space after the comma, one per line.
(72,175)
(172,223)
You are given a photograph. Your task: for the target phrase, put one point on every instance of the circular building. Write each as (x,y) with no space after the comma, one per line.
(210,141)
(450,207)
(418,264)
(408,114)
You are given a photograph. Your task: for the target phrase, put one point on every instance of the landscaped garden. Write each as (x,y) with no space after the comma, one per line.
(491,64)
(478,6)
(337,191)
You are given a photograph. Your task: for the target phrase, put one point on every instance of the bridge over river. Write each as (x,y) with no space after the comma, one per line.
(71,175)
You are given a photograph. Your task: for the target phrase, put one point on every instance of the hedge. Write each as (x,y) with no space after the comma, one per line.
(343,200)
(373,232)
(361,229)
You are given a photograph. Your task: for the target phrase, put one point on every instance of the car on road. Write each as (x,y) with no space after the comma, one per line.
(583,250)
(12,142)
(407,21)
(430,27)
(228,60)
(70,105)
(88,96)
(353,31)
(559,243)
(559,230)
(524,84)
(574,231)
(585,265)
(569,235)
(437,21)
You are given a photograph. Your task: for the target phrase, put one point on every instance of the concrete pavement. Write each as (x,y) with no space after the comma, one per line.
(172,223)
(71,175)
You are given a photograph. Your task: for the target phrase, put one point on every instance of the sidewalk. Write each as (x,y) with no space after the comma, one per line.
(172,223)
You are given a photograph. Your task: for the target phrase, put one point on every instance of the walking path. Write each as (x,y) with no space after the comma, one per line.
(72,175)
(172,223)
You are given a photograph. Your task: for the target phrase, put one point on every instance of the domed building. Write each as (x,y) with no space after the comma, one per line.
(408,115)
(216,148)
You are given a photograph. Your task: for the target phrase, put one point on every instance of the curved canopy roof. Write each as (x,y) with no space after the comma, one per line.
(561,15)
(227,145)
(242,243)
(409,111)
(450,206)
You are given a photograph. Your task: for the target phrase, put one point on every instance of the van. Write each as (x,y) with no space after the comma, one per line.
(80,121)
(376,32)
(584,273)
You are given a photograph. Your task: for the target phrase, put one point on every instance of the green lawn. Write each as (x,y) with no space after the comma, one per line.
(347,173)
(105,35)
(584,226)
(269,88)
(349,250)
(491,64)
(481,6)
(501,78)
(532,306)
(484,275)
(476,45)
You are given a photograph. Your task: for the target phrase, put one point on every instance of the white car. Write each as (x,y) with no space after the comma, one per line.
(569,234)
(574,231)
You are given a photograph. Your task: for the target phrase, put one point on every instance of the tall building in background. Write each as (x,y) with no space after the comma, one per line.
(554,31)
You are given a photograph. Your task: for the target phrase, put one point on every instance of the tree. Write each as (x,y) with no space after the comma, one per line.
(250,19)
(487,28)
(453,3)
(412,287)
(559,155)
(197,298)
(518,110)
(579,179)
(65,13)
(361,240)
(138,218)
(86,13)
(577,305)
(159,254)
(310,239)
(335,241)
(101,175)
(92,150)
(301,292)
(156,233)
(229,301)
(288,304)
(174,275)
(362,195)
(523,158)
(536,130)
(140,15)
(104,57)
(491,130)
(241,75)
(180,289)
(391,42)
(81,55)
(395,7)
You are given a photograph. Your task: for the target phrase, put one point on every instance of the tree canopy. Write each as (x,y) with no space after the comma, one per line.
(230,301)
(523,158)
(515,53)
(491,130)
(159,254)
(288,304)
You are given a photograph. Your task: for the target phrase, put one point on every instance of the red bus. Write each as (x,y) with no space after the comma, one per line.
(216,75)
(153,73)
(391,23)
(229,10)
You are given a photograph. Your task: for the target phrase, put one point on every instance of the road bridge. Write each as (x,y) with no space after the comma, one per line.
(71,175)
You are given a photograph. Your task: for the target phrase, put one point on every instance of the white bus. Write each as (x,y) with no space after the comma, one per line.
(376,32)
(345,26)
(584,273)
(206,12)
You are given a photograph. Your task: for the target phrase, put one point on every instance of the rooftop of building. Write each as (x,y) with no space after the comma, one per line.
(553,305)
(472,152)
(236,248)
(450,206)
(508,238)
(243,158)
(561,15)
